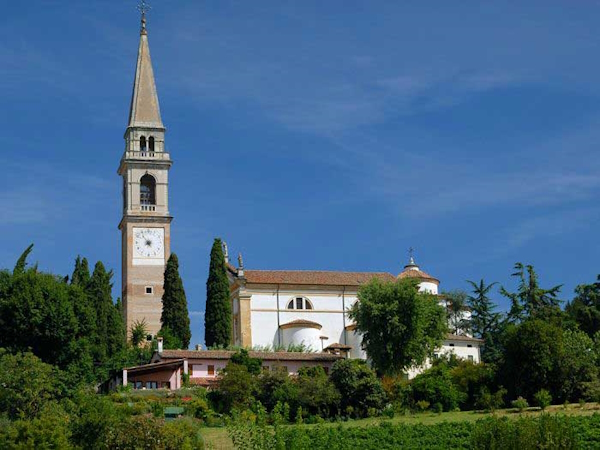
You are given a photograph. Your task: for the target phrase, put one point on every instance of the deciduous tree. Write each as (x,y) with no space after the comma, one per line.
(585,307)
(400,326)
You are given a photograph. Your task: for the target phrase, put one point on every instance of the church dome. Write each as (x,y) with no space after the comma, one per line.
(412,270)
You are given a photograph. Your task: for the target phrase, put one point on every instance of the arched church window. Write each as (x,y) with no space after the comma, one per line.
(148,190)
(299,303)
(151,143)
(142,143)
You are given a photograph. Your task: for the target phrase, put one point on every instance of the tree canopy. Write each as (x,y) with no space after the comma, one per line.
(400,326)
(531,300)
(585,307)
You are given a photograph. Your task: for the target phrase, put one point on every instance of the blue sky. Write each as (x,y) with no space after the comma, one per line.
(313,135)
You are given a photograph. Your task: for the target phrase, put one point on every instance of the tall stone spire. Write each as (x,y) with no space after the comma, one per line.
(144,111)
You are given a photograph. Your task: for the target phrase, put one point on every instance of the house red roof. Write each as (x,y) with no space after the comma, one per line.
(457,337)
(328,278)
(265,356)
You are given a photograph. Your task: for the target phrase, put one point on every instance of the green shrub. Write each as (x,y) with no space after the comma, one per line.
(543,399)
(435,386)
(198,408)
(520,403)
(48,430)
(26,384)
(422,405)
(388,411)
(358,386)
(490,402)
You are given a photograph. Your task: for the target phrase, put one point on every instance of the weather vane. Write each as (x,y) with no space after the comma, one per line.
(143,7)
(411,251)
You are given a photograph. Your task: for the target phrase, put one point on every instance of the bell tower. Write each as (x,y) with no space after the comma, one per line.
(145,226)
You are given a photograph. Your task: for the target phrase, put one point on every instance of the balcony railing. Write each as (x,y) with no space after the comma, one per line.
(148,207)
(146,155)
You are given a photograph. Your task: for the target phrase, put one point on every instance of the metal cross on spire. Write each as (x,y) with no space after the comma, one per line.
(143,7)
(411,252)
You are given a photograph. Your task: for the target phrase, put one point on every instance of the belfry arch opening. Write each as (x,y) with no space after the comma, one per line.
(147,190)
(142,143)
(151,143)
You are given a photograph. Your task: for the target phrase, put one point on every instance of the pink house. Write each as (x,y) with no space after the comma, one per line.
(167,368)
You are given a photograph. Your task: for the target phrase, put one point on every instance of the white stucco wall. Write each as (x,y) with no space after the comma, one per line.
(327,311)
(428,286)
(307,336)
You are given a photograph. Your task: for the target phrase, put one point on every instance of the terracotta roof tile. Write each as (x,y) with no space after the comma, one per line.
(417,273)
(314,277)
(457,337)
(301,323)
(339,346)
(265,356)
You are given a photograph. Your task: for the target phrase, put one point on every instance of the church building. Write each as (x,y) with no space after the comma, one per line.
(272,309)
(278,309)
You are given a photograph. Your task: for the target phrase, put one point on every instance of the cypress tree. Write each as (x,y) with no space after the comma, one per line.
(175,315)
(22,261)
(217,319)
(81,273)
(109,325)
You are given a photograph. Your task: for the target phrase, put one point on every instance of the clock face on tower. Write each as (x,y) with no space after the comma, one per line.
(148,244)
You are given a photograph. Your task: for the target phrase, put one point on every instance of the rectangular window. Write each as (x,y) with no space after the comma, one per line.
(470,357)
(148,289)
(469,345)
(211,370)
(451,345)
(149,337)
(299,303)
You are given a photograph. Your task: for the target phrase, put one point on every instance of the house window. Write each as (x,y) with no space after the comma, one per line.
(151,385)
(469,345)
(451,345)
(149,337)
(148,289)
(211,370)
(470,357)
(299,303)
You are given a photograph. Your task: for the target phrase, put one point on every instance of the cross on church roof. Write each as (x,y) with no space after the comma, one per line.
(411,259)
(143,7)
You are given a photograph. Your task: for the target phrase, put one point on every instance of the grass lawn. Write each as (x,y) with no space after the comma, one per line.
(217,438)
